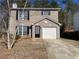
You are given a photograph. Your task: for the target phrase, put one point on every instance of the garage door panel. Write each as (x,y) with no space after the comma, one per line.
(49,33)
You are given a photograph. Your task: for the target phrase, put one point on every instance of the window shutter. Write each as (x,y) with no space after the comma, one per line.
(28,30)
(28,15)
(16,31)
(16,14)
(41,12)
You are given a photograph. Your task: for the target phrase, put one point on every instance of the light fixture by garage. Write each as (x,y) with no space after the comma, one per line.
(45,21)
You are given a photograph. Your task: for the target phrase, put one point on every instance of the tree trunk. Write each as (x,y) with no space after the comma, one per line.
(8,40)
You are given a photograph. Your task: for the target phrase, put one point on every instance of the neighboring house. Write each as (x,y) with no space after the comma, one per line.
(76,21)
(35,22)
(72,19)
(68,22)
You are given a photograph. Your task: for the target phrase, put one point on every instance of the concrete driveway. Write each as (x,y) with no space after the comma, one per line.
(61,49)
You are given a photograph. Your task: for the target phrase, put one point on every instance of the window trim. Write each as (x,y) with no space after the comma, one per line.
(43,11)
(37,34)
(36,29)
(24,13)
(22,27)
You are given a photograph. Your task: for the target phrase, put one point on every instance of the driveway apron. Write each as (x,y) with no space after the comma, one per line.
(57,49)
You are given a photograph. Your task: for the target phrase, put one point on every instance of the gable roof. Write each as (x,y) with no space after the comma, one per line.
(49,20)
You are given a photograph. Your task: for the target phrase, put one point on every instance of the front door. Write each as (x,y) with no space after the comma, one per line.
(37,31)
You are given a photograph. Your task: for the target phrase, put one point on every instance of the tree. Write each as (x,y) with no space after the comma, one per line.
(40,3)
(54,4)
(29,4)
(68,20)
(11,37)
(61,16)
(3,15)
(21,3)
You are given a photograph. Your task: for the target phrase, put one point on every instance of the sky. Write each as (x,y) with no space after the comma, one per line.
(59,1)
(63,5)
(76,1)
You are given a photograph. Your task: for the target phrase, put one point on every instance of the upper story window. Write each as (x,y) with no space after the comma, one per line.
(22,14)
(46,12)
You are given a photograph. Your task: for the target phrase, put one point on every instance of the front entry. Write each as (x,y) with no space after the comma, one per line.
(37,31)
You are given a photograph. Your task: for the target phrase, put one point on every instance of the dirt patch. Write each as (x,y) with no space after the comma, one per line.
(25,49)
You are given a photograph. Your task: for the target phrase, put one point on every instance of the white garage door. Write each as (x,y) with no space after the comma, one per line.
(49,33)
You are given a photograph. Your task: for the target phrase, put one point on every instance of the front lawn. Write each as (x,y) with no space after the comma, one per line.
(25,49)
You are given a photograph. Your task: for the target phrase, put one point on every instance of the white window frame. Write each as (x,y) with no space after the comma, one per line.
(21,30)
(23,14)
(46,12)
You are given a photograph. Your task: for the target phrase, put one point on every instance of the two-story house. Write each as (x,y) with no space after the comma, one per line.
(35,22)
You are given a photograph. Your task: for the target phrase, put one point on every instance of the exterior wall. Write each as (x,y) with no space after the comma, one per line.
(76,21)
(35,16)
(48,25)
(54,16)
(13,22)
(58,32)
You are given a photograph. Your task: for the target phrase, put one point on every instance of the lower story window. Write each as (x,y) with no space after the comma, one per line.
(22,30)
